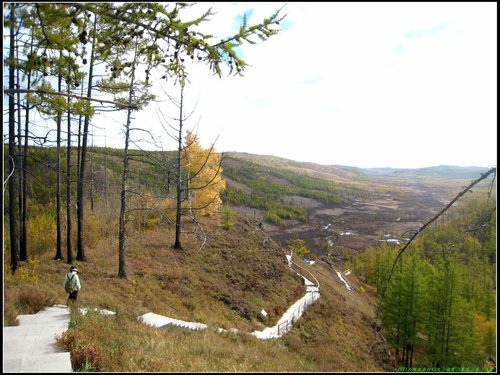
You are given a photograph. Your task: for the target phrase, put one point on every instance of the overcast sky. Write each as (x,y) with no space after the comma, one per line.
(361,84)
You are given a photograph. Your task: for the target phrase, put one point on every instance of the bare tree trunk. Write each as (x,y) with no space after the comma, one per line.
(79,151)
(178,211)
(12,144)
(20,167)
(92,184)
(106,184)
(123,207)
(123,196)
(59,254)
(69,244)
(80,255)
(24,193)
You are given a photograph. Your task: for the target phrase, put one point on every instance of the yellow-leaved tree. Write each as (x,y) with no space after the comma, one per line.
(203,168)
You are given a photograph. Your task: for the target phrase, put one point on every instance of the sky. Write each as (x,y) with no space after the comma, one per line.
(402,85)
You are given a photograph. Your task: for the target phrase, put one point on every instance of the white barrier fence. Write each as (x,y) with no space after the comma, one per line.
(295,311)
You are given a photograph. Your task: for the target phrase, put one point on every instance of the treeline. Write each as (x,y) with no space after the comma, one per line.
(439,307)
(67,63)
(105,167)
(267,192)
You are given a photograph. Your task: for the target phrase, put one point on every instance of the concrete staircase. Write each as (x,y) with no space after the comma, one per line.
(31,346)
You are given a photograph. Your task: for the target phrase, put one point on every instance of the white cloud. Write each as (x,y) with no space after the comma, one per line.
(361,84)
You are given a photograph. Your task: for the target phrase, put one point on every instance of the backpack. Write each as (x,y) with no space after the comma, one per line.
(67,284)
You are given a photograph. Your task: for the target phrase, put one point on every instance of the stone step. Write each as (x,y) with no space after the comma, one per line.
(55,308)
(47,317)
(31,340)
(50,363)
(31,345)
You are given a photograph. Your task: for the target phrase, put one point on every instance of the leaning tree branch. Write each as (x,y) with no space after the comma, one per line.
(11,173)
(466,189)
(43,92)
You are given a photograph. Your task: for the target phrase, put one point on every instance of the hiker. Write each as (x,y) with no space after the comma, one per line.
(72,284)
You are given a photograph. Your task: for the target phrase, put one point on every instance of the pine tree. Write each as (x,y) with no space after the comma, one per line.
(227,220)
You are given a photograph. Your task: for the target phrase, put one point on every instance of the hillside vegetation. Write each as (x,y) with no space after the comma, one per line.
(227,274)
(438,302)
(226,284)
(223,278)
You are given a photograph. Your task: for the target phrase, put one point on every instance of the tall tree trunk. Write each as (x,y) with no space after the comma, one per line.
(106,185)
(80,255)
(122,271)
(79,148)
(13,217)
(69,245)
(123,206)
(20,167)
(24,194)
(92,184)
(178,211)
(59,254)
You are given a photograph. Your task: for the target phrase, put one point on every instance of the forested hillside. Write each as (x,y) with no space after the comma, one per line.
(224,276)
(193,234)
(438,301)
(439,309)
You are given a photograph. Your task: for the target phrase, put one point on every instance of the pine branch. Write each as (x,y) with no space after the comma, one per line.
(42,92)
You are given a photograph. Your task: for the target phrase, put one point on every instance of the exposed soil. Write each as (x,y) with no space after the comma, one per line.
(362,222)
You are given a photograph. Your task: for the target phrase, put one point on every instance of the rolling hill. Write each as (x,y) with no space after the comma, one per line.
(358,206)
(225,278)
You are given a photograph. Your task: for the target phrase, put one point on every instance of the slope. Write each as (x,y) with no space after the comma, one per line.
(225,284)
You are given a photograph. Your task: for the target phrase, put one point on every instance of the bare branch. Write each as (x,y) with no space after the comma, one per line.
(210,151)
(209,182)
(13,170)
(482,221)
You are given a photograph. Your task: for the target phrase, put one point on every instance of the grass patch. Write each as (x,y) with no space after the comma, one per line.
(225,284)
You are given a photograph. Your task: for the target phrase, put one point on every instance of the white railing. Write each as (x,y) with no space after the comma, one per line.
(286,325)
(295,311)
(301,272)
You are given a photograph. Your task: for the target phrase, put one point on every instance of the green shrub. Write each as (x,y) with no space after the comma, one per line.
(41,233)
(298,247)
(227,217)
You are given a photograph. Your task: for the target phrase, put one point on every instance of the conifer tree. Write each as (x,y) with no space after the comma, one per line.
(227,220)
(81,29)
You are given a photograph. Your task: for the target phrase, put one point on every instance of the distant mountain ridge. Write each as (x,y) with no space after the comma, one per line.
(449,171)
(344,172)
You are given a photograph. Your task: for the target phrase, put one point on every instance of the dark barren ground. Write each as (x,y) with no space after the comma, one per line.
(362,222)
